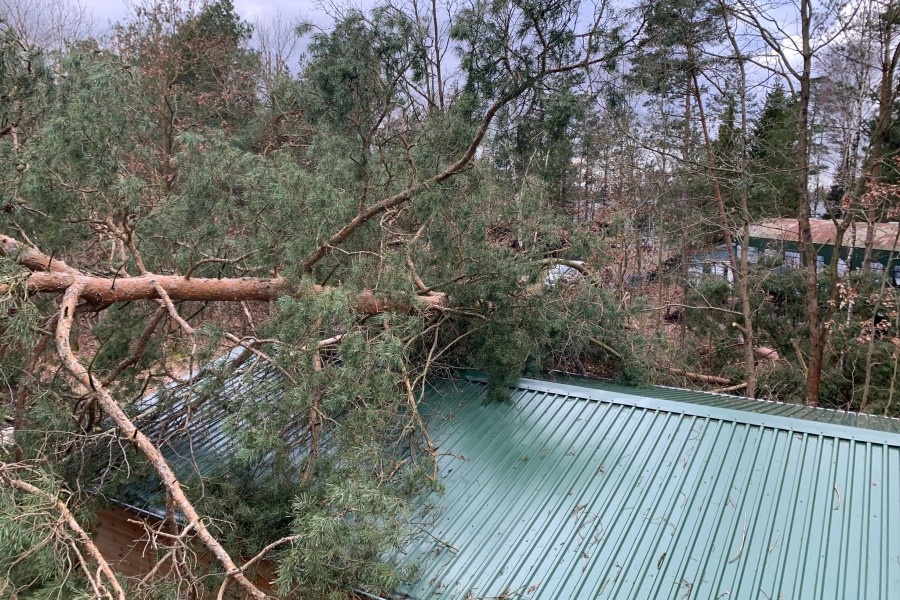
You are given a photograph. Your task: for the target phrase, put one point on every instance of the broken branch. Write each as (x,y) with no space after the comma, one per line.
(699,377)
(54,276)
(143,443)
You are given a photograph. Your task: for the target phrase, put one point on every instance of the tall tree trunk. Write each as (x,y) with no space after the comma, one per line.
(816,326)
(883,125)
(743,279)
(711,170)
(740,270)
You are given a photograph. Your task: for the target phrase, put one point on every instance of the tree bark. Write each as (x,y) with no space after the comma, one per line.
(699,377)
(743,279)
(883,124)
(54,276)
(816,333)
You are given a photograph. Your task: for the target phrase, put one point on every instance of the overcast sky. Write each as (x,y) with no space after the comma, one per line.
(110,11)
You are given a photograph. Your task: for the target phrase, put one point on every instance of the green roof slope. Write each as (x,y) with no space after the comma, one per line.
(798,411)
(570,491)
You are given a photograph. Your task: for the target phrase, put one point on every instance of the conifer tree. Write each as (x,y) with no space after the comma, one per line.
(773,150)
(359,255)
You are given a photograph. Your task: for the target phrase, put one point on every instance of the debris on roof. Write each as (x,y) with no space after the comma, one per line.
(578,489)
(569,491)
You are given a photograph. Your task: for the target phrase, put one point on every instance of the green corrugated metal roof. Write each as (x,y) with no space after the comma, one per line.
(580,489)
(797,411)
(577,491)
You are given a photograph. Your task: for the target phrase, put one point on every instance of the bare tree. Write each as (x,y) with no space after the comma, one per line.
(790,54)
(51,25)
(278,40)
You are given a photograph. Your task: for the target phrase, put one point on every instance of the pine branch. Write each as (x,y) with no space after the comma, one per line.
(54,276)
(111,407)
(81,535)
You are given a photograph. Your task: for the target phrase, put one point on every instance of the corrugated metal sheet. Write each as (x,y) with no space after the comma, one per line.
(194,426)
(824,233)
(782,409)
(579,489)
(576,492)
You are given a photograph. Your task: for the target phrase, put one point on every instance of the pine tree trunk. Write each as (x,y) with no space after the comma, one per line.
(816,333)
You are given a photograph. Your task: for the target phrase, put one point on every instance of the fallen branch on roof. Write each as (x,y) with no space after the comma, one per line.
(54,276)
(141,441)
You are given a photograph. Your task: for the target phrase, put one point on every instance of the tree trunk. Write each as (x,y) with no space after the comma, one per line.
(54,276)
(816,329)
(743,275)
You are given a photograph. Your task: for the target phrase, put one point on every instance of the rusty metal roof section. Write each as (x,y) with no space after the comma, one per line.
(824,233)
(577,491)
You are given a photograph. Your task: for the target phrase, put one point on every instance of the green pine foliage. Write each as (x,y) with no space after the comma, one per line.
(37,561)
(165,133)
(772,151)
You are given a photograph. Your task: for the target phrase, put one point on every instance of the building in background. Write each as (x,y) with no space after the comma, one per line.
(780,238)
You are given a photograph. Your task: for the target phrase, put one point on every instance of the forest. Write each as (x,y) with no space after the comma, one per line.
(359,204)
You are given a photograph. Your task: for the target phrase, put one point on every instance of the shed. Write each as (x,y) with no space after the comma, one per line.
(579,489)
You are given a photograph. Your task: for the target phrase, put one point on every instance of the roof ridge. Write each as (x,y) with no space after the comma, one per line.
(779,402)
(739,409)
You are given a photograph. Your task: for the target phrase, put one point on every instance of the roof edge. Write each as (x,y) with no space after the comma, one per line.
(635,399)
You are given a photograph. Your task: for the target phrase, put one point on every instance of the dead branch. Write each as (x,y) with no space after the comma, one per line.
(731,388)
(608,348)
(166,302)
(178,540)
(206,261)
(250,347)
(420,285)
(796,346)
(699,377)
(285,540)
